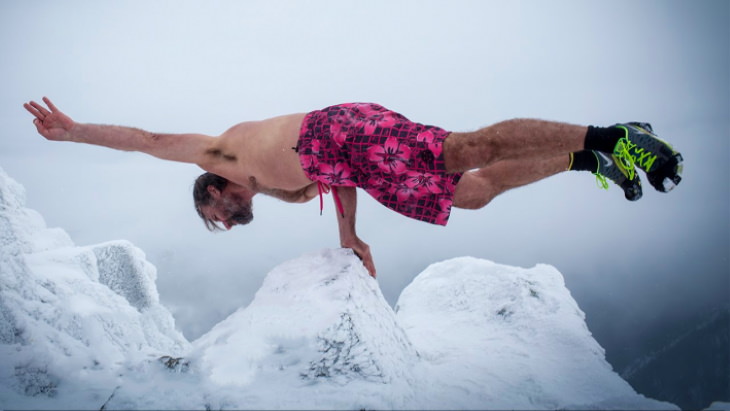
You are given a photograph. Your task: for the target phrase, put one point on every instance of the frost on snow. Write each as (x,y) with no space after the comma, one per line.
(82,327)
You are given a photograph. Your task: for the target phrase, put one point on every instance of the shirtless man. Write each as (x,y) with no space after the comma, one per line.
(417,170)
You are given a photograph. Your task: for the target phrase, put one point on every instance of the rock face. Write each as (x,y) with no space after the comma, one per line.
(82,327)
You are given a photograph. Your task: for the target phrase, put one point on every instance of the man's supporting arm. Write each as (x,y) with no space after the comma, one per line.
(346,223)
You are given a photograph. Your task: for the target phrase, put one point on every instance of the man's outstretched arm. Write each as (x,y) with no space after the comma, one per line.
(54,125)
(346,223)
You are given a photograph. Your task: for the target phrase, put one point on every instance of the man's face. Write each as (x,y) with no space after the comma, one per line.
(229,208)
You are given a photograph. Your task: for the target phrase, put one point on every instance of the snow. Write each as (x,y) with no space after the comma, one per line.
(318,324)
(83,327)
(71,317)
(528,344)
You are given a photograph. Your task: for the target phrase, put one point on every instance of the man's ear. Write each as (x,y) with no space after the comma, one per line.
(214,192)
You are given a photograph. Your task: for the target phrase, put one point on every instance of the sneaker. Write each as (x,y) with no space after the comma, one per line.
(610,167)
(642,148)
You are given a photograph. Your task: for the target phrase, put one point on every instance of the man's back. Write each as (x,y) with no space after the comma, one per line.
(263,150)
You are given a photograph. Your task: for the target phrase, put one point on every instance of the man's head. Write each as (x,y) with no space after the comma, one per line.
(218,200)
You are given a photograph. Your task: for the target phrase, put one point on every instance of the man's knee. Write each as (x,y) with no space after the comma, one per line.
(472,203)
(473,192)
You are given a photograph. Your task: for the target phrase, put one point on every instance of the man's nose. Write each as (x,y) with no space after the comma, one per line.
(227,225)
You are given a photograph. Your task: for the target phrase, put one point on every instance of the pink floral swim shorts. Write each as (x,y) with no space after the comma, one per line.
(398,162)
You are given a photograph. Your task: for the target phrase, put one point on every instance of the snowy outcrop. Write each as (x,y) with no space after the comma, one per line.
(72,318)
(319,324)
(509,338)
(82,327)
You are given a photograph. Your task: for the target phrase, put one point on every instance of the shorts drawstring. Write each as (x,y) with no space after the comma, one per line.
(338,202)
(324,188)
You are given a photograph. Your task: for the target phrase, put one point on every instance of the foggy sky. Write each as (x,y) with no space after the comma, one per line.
(205,66)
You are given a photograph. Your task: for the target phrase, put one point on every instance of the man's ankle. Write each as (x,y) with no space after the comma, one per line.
(584,160)
(603,138)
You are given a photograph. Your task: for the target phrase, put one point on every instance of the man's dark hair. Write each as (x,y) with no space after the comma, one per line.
(202,197)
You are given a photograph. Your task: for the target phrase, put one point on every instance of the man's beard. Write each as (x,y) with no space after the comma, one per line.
(241,212)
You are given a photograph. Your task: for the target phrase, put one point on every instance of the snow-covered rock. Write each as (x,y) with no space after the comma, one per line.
(719,406)
(82,327)
(507,338)
(72,318)
(319,324)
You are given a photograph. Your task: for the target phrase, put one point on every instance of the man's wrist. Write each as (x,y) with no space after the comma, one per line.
(73,130)
(349,241)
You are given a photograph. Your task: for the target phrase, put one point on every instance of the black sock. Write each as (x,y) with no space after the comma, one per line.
(603,138)
(585,160)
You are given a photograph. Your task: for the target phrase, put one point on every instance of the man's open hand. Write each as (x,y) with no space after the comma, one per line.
(50,122)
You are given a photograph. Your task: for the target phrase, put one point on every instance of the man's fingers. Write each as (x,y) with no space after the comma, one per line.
(367,261)
(371,269)
(44,112)
(36,109)
(370,266)
(32,110)
(50,104)
(39,127)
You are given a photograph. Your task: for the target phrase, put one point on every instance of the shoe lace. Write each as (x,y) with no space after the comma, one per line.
(601,180)
(623,156)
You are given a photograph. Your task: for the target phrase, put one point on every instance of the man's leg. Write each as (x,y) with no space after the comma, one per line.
(631,144)
(477,188)
(520,139)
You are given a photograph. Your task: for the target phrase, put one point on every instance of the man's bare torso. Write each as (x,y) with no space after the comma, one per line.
(260,155)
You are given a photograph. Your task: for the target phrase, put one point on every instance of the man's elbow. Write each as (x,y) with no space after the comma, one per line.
(154,141)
